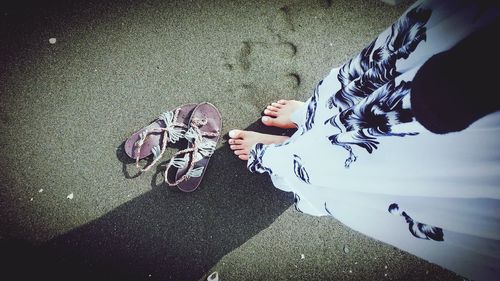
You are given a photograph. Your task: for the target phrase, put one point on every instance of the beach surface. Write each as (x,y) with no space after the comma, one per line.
(77,78)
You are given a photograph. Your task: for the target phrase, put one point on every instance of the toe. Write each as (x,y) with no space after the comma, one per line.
(236,134)
(236,141)
(243,157)
(239,152)
(236,147)
(270,113)
(272,108)
(277,105)
(268,121)
(282,102)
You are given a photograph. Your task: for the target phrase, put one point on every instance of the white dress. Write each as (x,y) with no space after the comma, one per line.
(359,155)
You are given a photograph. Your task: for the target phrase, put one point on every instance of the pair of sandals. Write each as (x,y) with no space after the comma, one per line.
(199,124)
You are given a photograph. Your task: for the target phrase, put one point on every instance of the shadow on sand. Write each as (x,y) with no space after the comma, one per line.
(163,234)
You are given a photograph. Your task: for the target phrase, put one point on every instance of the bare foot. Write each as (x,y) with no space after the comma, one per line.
(242,141)
(278,114)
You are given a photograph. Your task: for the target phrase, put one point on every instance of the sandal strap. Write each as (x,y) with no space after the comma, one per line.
(205,147)
(181,163)
(157,150)
(201,148)
(170,133)
(199,122)
(169,119)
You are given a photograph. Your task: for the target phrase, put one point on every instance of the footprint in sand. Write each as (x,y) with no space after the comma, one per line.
(281,23)
(262,66)
(266,61)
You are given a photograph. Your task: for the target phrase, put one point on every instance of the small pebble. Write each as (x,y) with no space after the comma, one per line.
(346,249)
(302,256)
(350,271)
(31,199)
(41,190)
(213,277)
(70,196)
(385,267)
(52,40)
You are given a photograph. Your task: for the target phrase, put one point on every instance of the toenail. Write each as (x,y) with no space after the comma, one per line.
(265,118)
(232,134)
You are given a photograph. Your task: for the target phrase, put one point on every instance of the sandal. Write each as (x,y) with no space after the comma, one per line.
(202,136)
(169,127)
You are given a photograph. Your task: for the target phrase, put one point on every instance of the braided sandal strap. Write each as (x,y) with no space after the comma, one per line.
(170,133)
(180,163)
(198,151)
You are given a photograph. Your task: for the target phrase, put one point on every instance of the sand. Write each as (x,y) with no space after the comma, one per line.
(77,78)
